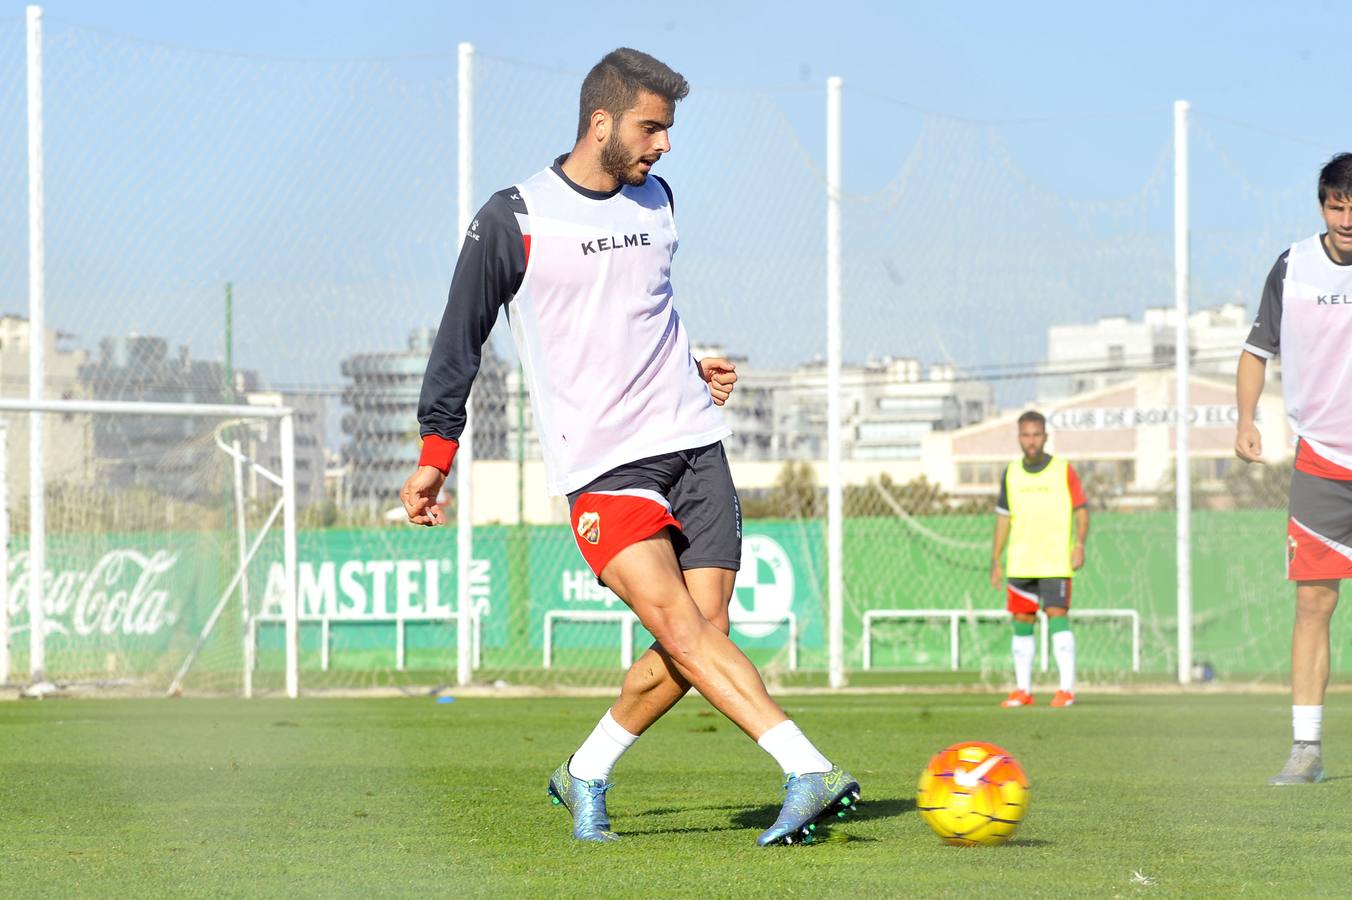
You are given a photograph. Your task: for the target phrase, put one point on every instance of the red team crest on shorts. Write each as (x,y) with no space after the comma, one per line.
(589,527)
(631,516)
(1312,556)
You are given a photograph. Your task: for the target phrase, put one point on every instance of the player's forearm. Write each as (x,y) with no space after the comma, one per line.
(1001,537)
(1249,377)
(451,369)
(1081,526)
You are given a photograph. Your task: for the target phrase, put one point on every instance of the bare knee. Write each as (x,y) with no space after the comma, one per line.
(677,631)
(711,589)
(721,621)
(1315,602)
(1313,609)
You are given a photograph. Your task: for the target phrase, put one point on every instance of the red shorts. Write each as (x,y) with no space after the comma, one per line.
(1319,529)
(1025,596)
(689,491)
(605,522)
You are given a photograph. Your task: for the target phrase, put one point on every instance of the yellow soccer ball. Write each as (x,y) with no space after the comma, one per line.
(973,793)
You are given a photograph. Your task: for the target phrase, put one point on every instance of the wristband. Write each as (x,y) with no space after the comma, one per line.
(438,452)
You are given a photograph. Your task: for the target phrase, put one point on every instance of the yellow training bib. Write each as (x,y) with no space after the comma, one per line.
(1040,532)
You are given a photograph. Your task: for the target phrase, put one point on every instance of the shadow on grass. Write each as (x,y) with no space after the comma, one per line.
(674,810)
(761,817)
(708,829)
(885,808)
(867,810)
(736,821)
(662,811)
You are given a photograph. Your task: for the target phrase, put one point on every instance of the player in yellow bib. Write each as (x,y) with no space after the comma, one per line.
(1042,516)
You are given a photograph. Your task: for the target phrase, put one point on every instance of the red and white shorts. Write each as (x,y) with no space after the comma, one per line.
(1319,530)
(1025,596)
(689,491)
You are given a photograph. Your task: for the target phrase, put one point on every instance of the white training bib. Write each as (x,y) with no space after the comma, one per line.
(1316,350)
(605,355)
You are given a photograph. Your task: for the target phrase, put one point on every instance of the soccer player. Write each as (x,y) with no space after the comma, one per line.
(1305,317)
(580,256)
(1040,498)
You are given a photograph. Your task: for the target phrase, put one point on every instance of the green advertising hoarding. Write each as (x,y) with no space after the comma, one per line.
(136,603)
(781,574)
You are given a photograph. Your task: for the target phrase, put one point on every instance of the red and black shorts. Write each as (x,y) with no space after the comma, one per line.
(1025,596)
(1319,530)
(689,491)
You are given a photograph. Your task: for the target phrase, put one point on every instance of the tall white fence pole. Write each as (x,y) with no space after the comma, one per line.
(1183,478)
(835,532)
(464,457)
(241,539)
(4,554)
(291,598)
(37,345)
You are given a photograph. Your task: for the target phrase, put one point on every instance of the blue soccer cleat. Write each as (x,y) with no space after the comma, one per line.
(586,801)
(808,800)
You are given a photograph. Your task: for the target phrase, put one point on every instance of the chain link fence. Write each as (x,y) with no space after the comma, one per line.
(223,228)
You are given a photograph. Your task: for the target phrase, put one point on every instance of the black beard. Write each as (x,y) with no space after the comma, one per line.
(616,162)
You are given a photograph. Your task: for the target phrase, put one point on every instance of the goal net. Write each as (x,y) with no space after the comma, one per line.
(153,528)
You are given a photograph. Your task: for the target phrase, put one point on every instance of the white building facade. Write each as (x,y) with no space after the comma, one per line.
(1121,435)
(68,439)
(1082,358)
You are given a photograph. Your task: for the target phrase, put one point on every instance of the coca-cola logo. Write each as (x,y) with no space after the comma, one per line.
(118,595)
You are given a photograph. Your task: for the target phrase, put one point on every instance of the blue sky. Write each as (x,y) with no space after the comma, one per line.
(1244,61)
(1008,166)
(986,60)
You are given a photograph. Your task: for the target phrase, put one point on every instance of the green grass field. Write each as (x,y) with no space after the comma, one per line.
(327,797)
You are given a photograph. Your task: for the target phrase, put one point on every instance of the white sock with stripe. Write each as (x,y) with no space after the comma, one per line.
(792,750)
(1024,647)
(1063,648)
(602,749)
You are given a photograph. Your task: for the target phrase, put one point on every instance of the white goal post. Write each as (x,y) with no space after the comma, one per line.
(629,622)
(328,623)
(956,616)
(285,508)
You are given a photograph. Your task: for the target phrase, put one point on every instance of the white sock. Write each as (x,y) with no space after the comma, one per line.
(1024,646)
(601,750)
(1307,722)
(792,750)
(1063,648)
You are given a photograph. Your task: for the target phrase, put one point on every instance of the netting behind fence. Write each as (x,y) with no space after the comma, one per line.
(13,169)
(146,528)
(314,204)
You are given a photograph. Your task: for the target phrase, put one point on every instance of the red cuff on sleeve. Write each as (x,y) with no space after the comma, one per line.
(438,451)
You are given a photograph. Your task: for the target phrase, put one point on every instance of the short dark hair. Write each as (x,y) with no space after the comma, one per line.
(1034,416)
(1336,178)
(614,83)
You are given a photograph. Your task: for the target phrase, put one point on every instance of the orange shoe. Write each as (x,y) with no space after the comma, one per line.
(1017,698)
(1063,698)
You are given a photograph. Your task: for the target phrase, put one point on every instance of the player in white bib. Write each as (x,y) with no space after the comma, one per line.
(580,256)
(1305,317)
